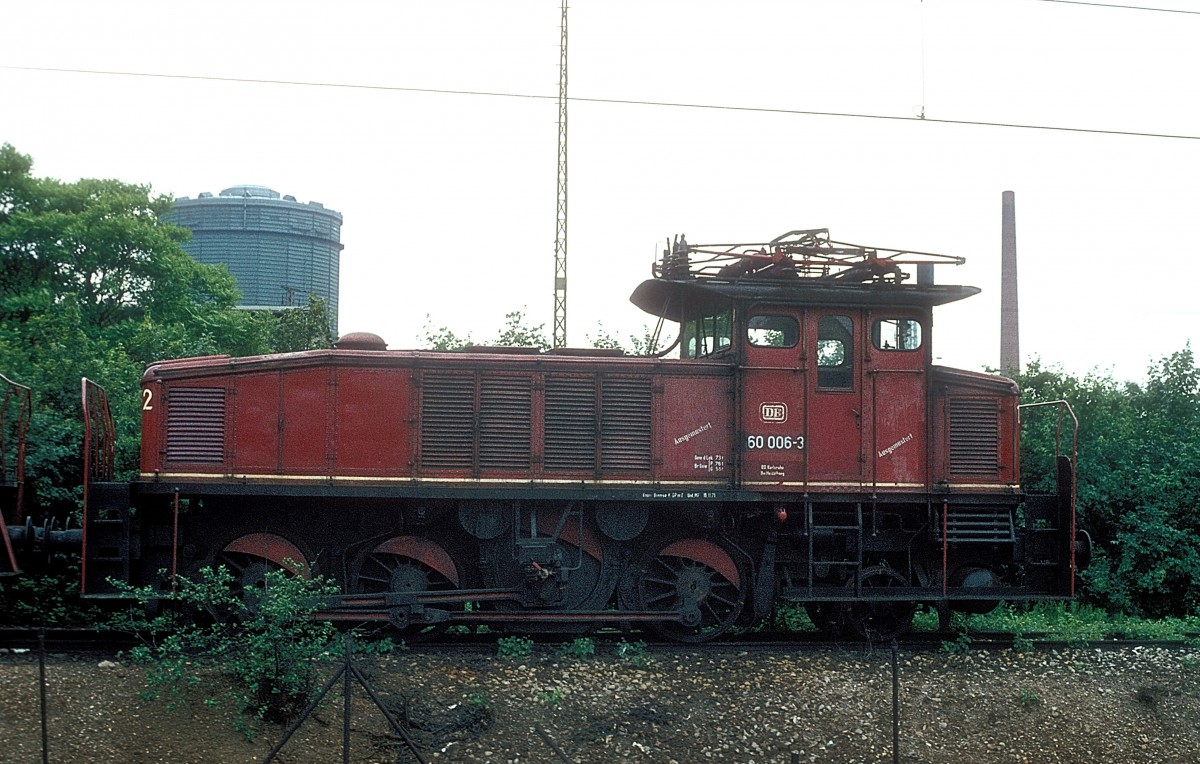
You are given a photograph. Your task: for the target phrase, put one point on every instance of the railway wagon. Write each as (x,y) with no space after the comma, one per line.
(795,443)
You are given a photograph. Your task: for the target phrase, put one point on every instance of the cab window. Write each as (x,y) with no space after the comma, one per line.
(835,352)
(896,334)
(773,331)
(708,334)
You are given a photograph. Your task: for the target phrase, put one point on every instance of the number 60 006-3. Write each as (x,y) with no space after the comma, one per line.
(775,442)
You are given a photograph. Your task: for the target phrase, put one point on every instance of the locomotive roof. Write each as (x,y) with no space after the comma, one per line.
(799,268)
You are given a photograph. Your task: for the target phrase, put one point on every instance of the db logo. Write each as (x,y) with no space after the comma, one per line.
(774,412)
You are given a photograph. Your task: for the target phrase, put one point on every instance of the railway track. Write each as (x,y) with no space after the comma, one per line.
(83,642)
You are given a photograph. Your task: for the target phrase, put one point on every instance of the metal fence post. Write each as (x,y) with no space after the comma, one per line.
(895,706)
(42,693)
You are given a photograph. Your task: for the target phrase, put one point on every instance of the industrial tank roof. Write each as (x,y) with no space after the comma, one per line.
(248,193)
(249,190)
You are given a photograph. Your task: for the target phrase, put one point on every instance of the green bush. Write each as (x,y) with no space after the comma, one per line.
(266,646)
(46,598)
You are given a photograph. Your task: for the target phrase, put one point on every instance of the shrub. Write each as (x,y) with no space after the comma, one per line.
(266,644)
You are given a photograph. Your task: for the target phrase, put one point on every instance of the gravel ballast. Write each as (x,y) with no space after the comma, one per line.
(1134,704)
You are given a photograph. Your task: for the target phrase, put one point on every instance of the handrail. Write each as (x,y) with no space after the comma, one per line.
(806,254)
(99,433)
(99,455)
(1065,408)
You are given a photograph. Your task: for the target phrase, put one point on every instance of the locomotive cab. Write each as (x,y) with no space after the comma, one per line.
(836,391)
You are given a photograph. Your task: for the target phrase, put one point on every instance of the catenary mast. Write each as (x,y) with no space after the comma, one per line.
(560,239)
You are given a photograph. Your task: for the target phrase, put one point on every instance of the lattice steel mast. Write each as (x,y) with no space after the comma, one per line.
(560,239)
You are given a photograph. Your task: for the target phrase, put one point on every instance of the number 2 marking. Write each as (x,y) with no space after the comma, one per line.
(147,396)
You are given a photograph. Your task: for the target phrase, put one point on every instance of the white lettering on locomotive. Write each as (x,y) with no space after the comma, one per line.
(888,451)
(775,442)
(685,438)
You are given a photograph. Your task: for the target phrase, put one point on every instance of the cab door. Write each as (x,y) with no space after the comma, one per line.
(836,423)
(773,443)
(897,359)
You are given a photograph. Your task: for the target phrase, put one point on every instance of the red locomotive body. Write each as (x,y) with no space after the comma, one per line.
(802,445)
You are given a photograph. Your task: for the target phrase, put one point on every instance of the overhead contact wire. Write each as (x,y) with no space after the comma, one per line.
(620,101)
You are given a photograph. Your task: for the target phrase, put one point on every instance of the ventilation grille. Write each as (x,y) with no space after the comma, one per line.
(974,436)
(570,423)
(505,423)
(625,424)
(196,425)
(983,525)
(473,422)
(447,421)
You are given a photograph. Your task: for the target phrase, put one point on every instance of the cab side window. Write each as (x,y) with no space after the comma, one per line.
(835,352)
(707,335)
(896,334)
(773,331)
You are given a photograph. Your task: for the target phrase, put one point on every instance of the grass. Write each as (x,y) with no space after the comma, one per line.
(1073,623)
(1078,624)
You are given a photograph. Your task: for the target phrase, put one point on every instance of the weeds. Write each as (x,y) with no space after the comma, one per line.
(581,647)
(514,647)
(960,645)
(478,698)
(634,653)
(551,697)
(1028,699)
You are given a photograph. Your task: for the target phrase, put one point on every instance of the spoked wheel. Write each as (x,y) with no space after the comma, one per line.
(408,565)
(697,578)
(250,558)
(879,620)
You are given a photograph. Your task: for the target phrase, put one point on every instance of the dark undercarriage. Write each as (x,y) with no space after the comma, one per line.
(689,565)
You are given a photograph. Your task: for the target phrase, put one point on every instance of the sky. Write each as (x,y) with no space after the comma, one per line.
(432,127)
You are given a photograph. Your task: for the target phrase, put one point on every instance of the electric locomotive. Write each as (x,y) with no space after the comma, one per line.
(795,443)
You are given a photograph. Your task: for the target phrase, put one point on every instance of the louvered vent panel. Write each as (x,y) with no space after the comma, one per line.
(505,423)
(196,425)
(570,423)
(974,436)
(447,421)
(983,525)
(625,424)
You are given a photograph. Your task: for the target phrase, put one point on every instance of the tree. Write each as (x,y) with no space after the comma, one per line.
(516,333)
(1138,480)
(93,283)
(296,329)
(442,338)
